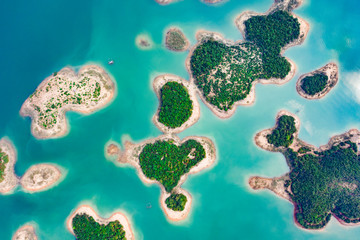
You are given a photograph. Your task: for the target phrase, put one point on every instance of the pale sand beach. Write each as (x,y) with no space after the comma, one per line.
(158,83)
(130,155)
(331,70)
(26,232)
(85,209)
(40,177)
(57,94)
(10,179)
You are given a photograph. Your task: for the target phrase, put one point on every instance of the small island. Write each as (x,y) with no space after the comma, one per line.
(178,108)
(226,72)
(26,232)
(84,223)
(175,40)
(144,42)
(322,181)
(317,84)
(8,179)
(85,92)
(40,177)
(167,161)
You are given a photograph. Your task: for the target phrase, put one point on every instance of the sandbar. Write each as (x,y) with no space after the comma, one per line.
(26,232)
(40,177)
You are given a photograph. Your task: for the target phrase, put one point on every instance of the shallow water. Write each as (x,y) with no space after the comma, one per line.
(41,37)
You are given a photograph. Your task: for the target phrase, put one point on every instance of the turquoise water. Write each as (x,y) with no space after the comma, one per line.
(40,37)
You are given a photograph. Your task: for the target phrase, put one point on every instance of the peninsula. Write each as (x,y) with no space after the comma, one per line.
(84,223)
(322,181)
(317,84)
(178,106)
(85,92)
(175,40)
(8,179)
(226,72)
(26,232)
(40,177)
(167,161)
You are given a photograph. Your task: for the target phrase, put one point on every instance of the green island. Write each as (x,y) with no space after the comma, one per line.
(321,182)
(175,40)
(4,159)
(166,162)
(86,228)
(225,72)
(176,202)
(176,106)
(314,84)
(282,135)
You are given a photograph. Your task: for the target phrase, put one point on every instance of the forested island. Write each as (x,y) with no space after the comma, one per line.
(175,40)
(85,92)
(8,179)
(322,181)
(85,224)
(40,177)
(317,84)
(225,72)
(26,232)
(178,106)
(167,161)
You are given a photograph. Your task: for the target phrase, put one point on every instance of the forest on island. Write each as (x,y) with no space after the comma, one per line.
(176,202)
(4,159)
(86,228)
(314,84)
(165,162)
(283,134)
(175,105)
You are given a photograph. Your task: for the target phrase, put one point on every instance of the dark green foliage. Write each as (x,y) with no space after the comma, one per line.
(271,33)
(166,162)
(225,73)
(218,74)
(175,40)
(176,202)
(304,150)
(282,135)
(86,228)
(4,159)
(314,84)
(96,93)
(176,105)
(325,184)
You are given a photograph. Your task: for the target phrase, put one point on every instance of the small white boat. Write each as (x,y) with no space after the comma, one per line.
(110,62)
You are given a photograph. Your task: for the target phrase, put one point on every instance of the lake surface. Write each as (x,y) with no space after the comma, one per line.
(40,37)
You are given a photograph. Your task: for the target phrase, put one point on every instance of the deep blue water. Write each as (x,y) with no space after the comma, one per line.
(40,37)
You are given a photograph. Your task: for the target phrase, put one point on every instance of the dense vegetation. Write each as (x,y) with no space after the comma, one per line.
(175,40)
(86,228)
(176,202)
(326,183)
(283,134)
(314,84)
(4,159)
(225,73)
(270,33)
(176,105)
(166,162)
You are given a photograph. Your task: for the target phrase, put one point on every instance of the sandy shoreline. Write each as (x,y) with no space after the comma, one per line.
(40,177)
(26,232)
(179,31)
(131,153)
(160,81)
(91,212)
(250,99)
(331,70)
(10,179)
(165,2)
(42,97)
